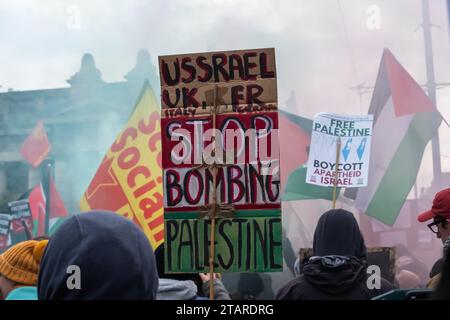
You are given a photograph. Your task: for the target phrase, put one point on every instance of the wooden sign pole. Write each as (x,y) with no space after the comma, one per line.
(213,203)
(338,152)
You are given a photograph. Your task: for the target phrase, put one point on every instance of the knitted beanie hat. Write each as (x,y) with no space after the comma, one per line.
(20,263)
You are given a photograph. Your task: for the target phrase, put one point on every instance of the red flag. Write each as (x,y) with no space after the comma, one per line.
(36,147)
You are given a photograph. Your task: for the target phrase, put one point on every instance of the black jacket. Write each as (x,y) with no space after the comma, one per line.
(338,269)
(114,257)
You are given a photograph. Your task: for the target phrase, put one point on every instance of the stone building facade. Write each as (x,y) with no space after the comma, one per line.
(81,120)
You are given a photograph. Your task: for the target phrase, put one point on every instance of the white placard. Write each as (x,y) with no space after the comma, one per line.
(355,135)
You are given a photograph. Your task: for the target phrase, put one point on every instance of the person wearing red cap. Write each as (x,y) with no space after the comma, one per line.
(440,213)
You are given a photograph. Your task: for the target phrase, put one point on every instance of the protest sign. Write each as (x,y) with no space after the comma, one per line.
(5,222)
(354,135)
(21,220)
(20,211)
(220,159)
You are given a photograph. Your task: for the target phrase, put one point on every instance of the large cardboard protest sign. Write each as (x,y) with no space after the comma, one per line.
(354,134)
(219,123)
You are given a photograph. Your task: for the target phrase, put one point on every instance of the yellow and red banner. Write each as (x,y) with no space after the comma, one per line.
(129,179)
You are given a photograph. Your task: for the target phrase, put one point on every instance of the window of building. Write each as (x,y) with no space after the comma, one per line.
(16,177)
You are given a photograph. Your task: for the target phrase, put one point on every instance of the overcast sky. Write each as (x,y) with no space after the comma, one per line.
(323,47)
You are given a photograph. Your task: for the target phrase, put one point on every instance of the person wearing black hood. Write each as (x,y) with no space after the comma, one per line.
(98,256)
(338,269)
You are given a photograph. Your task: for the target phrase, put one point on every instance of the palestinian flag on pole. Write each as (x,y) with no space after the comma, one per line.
(404,122)
(295,138)
(38,204)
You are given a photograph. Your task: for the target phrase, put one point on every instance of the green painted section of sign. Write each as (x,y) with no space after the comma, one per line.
(238,214)
(241,245)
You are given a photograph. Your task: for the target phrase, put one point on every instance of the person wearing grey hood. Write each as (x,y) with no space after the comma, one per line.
(98,256)
(185,286)
(338,269)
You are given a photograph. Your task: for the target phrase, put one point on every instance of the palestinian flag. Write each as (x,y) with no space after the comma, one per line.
(295,138)
(38,206)
(404,122)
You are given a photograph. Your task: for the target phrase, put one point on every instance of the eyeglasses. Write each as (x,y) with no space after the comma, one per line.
(434,226)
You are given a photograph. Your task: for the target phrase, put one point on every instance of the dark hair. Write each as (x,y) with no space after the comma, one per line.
(159,257)
(437,267)
(250,285)
(441,220)
(443,289)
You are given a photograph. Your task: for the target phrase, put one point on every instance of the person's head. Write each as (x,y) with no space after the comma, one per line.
(403,262)
(250,285)
(19,265)
(440,214)
(407,280)
(337,233)
(440,226)
(98,255)
(195,277)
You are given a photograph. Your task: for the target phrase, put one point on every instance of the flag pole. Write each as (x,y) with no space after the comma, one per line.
(27,231)
(431,88)
(48,176)
(338,151)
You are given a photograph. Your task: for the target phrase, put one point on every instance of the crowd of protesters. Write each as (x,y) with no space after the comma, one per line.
(102,255)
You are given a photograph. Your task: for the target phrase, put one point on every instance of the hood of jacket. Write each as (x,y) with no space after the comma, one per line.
(334,274)
(170,289)
(340,256)
(337,233)
(98,255)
